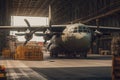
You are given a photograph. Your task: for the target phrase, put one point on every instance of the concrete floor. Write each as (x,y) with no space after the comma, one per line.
(95,67)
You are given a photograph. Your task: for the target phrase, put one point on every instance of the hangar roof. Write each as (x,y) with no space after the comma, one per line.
(66,11)
(30,7)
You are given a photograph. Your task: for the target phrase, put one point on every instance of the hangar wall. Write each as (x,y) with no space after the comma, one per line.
(63,12)
(67,11)
(4,21)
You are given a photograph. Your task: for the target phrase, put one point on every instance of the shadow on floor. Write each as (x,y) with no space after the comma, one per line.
(68,73)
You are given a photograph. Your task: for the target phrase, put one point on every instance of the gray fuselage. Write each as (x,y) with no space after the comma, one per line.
(75,38)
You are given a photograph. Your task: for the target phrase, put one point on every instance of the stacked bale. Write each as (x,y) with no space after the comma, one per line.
(29,52)
(6,53)
(115,50)
(20,52)
(34,53)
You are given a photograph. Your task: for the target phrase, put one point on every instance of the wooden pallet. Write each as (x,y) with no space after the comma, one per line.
(29,57)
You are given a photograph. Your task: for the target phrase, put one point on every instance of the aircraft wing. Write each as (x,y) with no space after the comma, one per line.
(13,28)
(58,28)
(54,28)
(103,28)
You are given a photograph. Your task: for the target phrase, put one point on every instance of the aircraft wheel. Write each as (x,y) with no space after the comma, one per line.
(56,55)
(83,55)
(74,55)
(51,54)
(67,55)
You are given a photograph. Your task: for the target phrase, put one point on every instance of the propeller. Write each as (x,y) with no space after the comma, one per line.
(28,24)
(97,31)
(48,33)
(29,33)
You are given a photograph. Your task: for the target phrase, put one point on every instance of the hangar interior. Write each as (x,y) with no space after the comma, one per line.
(107,12)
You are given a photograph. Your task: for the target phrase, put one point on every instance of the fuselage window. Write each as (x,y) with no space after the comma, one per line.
(85,29)
(77,30)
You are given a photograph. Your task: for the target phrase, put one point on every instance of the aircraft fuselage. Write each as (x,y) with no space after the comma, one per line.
(76,39)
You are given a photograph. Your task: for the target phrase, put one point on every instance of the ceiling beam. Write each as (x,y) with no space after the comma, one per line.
(102,15)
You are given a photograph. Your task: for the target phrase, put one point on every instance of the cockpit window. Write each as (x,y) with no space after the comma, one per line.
(75,30)
(79,29)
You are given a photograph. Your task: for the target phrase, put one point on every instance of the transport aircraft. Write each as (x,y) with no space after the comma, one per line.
(70,40)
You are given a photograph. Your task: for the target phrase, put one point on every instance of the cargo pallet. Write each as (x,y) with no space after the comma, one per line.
(29,57)
(6,53)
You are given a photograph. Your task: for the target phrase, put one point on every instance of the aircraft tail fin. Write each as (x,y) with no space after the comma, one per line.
(50,16)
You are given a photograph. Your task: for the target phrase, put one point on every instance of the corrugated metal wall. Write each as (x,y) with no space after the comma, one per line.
(4,21)
(87,11)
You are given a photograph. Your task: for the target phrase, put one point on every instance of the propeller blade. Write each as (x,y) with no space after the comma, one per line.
(48,33)
(44,42)
(28,24)
(50,16)
(25,43)
(98,32)
(29,32)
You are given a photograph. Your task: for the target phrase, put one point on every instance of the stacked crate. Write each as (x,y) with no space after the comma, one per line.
(115,50)
(34,53)
(29,53)
(6,53)
(20,52)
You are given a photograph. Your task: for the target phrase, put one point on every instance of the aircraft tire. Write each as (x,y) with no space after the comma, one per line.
(83,55)
(51,54)
(74,55)
(56,55)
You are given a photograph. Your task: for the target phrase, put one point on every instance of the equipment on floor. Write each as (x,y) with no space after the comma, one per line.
(3,73)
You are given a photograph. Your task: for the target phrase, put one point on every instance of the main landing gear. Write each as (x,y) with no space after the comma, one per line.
(69,55)
(54,55)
